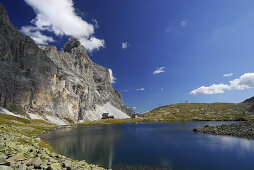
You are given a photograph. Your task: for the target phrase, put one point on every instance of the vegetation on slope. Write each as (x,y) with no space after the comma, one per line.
(201,111)
(20,147)
(25,127)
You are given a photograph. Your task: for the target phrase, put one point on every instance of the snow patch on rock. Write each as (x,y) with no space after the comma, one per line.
(56,120)
(35,116)
(50,119)
(107,108)
(5,111)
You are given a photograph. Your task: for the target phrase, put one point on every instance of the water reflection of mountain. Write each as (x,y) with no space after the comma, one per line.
(90,144)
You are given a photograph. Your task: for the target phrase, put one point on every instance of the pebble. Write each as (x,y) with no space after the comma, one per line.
(14,155)
(243,129)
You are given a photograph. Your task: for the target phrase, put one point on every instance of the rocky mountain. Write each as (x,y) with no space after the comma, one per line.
(250,103)
(249,100)
(41,79)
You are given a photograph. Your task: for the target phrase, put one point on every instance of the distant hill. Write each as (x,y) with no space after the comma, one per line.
(203,111)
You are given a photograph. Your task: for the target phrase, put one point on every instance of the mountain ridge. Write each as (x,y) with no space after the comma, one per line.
(203,111)
(41,79)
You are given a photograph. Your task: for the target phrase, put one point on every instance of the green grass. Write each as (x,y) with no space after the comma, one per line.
(200,111)
(20,112)
(112,121)
(26,127)
(71,122)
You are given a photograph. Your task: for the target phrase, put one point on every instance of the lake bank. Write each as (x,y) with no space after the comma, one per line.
(21,148)
(243,129)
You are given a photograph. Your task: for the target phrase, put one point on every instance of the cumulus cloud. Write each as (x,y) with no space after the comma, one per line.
(125,45)
(36,35)
(112,78)
(60,18)
(184,23)
(244,82)
(228,75)
(141,89)
(159,70)
(162,89)
(134,107)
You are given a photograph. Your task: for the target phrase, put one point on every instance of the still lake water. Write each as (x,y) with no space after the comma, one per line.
(164,145)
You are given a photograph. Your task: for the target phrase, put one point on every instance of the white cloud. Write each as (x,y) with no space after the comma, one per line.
(92,43)
(36,35)
(60,18)
(162,89)
(228,75)
(125,91)
(125,45)
(112,78)
(184,23)
(96,23)
(159,70)
(213,89)
(134,107)
(141,89)
(244,82)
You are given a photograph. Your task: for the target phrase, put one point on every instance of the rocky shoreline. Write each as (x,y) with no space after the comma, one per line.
(22,149)
(20,152)
(243,129)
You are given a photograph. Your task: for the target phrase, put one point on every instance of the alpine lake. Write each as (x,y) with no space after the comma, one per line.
(154,145)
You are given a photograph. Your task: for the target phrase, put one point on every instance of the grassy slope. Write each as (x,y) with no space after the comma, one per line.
(200,111)
(26,127)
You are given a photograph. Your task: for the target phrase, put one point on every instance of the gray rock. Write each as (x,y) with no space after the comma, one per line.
(36,163)
(243,129)
(17,157)
(4,161)
(44,80)
(2,167)
(2,156)
(21,167)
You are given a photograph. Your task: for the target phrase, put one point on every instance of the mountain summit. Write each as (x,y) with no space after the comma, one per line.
(41,79)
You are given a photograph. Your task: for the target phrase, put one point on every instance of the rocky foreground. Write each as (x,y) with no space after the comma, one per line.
(242,129)
(21,149)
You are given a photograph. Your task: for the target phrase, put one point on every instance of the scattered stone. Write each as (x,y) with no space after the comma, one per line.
(4,161)
(21,167)
(243,129)
(18,157)
(2,167)
(36,162)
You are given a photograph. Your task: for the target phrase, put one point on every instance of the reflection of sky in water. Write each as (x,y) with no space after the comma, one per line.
(169,145)
(243,146)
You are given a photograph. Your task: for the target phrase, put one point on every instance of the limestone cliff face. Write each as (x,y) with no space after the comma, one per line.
(67,83)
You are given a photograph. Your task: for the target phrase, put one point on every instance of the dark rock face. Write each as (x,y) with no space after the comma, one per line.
(41,79)
(250,100)
(250,103)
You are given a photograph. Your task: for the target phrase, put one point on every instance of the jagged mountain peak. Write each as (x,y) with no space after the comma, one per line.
(72,43)
(66,84)
(3,13)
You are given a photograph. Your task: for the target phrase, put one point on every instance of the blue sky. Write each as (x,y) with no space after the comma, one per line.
(196,41)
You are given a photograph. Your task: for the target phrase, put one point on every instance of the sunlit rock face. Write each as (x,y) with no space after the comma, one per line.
(66,83)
